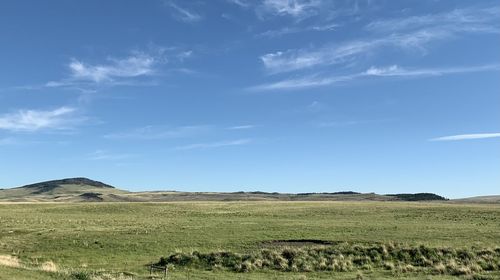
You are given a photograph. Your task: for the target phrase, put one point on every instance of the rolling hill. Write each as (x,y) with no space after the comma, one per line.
(86,190)
(480,199)
(69,190)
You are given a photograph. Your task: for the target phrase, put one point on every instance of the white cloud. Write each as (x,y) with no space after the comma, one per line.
(467,137)
(160,132)
(184,14)
(137,69)
(105,155)
(240,127)
(345,123)
(292,60)
(238,142)
(131,70)
(382,71)
(391,71)
(395,70)
(241,3)
(316,107)
(475,18)
(304,82)
(292,30)
(413,33)
(34,120)
(139,64)
(184,55)
(294,8)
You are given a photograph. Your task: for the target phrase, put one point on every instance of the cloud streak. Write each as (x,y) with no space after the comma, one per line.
(390,71)
(113,72)
(475,18)
(396,71)
(160,132)
(241,127)
(293,60)
(211,145)
(241,3)
(294,8)
(136,65)
(105,155)
(413,33)
(184,14)
(131,70)
(466,137)
(291,30)
(34,120)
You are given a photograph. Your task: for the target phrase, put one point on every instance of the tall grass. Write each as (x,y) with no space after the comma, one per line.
(346,257)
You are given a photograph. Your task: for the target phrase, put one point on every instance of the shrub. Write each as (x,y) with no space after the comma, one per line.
(80,275)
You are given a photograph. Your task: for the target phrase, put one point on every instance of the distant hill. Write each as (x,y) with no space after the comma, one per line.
(50,185)
(480,199)
(418,196)
(70,189)
(87,190)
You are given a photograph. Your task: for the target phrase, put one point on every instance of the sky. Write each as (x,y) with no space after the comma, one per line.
(238,95)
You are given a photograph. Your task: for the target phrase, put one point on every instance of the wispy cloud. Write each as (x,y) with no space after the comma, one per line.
(326,124)
(391,71)
(105,155)
(184,14)
(467,137)
(467,18)
(137,69)
(210,145)
(294,8)
(241,127)
(241,3)
(424,30)
(160,132)
(33,120)
(292,60)
(114,71)
(395,71)
(133,66)
(303,82)
(316,107)
(295,29)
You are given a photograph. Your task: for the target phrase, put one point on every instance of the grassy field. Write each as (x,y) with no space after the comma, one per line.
(118,240)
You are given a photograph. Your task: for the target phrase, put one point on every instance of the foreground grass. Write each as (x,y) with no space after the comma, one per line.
(124,237)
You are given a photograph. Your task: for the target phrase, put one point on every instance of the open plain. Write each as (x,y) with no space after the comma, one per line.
(118,240)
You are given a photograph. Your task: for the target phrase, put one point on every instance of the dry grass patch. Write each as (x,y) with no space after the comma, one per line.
(49,266)
(10,261)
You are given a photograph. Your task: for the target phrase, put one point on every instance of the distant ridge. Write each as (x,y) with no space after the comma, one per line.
(81,181)
(418,196)
(82,189)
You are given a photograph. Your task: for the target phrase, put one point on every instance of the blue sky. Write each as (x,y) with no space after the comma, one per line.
(271,95)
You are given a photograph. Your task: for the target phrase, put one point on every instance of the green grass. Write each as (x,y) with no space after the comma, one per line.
(124,237)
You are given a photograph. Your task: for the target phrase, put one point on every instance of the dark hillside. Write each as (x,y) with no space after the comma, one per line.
(418,196)
(50,185)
